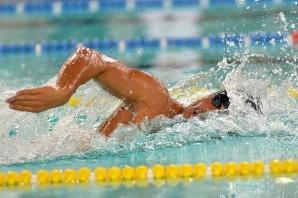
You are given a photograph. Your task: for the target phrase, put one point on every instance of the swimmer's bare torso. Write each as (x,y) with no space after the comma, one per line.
(144,97)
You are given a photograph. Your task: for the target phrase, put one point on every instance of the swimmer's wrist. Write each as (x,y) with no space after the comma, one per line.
(65,94)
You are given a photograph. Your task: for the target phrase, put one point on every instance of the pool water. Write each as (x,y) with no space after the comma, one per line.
(65,137)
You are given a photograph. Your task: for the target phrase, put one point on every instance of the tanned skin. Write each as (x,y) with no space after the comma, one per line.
(144,97)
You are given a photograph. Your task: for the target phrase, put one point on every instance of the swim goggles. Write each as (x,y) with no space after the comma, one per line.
(221,98)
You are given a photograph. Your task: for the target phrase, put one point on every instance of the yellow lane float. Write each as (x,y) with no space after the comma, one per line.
(293,92)
(158,174)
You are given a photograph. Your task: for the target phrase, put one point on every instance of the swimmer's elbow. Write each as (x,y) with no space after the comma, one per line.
(90,58)
(85,51)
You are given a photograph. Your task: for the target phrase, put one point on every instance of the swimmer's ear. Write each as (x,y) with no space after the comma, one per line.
(255,103)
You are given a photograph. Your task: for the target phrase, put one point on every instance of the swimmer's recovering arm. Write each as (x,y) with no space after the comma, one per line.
(81,67)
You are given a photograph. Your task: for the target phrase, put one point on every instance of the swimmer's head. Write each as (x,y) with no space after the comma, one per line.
(221,100)
(213,102)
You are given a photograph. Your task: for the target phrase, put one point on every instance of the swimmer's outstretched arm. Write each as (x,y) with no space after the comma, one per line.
(81,67)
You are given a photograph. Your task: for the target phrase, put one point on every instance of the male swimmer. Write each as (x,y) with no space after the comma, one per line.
(144,97)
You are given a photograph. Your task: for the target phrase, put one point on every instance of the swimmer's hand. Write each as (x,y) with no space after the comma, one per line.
(38,99)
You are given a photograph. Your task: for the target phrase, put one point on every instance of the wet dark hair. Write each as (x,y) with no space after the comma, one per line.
(255,103)
(221,98)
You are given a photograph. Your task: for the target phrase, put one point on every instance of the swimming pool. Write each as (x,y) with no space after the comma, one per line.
(65,138)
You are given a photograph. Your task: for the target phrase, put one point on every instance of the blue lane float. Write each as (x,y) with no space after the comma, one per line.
(17,48)
(185,3)
(101,44)
(258,39)
(52,46)
(82,6)
(7,8)
(45,7)
(142,4)
(109,4)
(209,42)
(142,43)
(185,42)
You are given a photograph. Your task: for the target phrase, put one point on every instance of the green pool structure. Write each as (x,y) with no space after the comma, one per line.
(193,48)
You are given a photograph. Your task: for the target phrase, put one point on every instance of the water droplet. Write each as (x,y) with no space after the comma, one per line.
(52,119)
(12,133)
(81,118)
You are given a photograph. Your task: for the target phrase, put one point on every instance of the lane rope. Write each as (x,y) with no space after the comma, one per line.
(145,174)
(210,42)
(91,6)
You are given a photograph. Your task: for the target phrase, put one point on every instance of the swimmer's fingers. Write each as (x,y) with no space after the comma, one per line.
(24,93)
(28,103)
(25,108)
(22,98)
(46,97)
(30,91)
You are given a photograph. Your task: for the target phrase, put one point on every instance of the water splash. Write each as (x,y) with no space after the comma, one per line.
(71,131)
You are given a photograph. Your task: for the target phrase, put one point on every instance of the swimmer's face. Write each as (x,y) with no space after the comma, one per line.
(205,104)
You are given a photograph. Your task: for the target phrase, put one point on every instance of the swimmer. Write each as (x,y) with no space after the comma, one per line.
(143,96)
